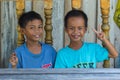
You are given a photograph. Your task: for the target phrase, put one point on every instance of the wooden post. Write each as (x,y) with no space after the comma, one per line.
(105,7)
(48,23)
(76,4)
(20,5)
(60,74)
(0,38)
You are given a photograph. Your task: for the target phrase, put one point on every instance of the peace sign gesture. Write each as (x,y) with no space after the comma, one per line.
(99,33)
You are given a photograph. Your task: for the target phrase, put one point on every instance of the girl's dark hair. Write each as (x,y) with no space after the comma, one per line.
(75,13)
(29,16)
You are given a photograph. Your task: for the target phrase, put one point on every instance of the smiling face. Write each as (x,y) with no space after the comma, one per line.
(76,28)
(33,30)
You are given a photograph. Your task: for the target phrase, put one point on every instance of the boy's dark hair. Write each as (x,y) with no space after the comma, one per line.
(75,13)
(29,16)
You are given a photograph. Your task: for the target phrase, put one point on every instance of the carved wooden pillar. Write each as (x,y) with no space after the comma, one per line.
(20,5)
(105,7)
(76,4)
(48,23)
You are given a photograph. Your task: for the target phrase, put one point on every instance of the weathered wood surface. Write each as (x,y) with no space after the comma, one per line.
(8,32)
(58,24)
(60,74)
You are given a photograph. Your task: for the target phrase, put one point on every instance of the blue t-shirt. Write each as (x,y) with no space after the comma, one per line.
(85,57)
(26,59)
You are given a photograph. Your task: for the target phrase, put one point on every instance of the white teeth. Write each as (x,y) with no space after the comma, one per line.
(76,36)
(36,35)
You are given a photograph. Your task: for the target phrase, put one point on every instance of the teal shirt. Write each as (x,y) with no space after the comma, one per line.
(85,57)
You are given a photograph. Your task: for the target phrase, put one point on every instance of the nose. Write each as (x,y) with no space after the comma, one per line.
(75,30)
(36,30)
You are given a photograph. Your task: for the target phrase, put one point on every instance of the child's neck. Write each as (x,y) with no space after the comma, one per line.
(34,47)
(75,45)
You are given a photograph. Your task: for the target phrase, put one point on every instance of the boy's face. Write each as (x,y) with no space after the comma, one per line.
(33,30)
(75,28)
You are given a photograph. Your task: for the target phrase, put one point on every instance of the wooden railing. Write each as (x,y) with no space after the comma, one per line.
(59,74)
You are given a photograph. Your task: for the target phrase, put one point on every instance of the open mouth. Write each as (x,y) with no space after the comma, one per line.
(76,36)
(37,36)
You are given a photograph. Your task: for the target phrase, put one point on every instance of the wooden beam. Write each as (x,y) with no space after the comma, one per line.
(60,74)
(0,37)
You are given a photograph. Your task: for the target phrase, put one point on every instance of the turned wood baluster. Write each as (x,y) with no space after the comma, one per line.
(48,23)
(105,7)
(76,4)
(20,5)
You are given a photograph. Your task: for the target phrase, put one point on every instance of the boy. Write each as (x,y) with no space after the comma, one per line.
(79,54)
(32,54)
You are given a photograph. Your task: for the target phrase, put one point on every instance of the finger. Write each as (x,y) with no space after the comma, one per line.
(99,28)
(14,54)
(13,57)
(12,60)
(95,31)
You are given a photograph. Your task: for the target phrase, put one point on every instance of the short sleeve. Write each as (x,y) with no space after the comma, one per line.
(101,53)
(60,63)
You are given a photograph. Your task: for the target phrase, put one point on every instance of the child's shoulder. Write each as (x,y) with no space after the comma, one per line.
(85,44)
(91,44)
(21,47)
(64,49)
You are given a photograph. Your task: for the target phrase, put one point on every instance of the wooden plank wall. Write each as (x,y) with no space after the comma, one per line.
(60,39)
(8,31)
(59,74)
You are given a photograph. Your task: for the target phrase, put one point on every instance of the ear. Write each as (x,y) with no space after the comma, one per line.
(22,30)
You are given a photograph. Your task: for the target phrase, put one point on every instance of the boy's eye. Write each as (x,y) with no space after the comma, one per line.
(40,26)
(31,27)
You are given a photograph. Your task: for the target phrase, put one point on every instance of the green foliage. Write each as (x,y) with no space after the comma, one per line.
(117,14)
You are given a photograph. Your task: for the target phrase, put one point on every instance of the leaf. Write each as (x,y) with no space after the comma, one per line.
(117,14)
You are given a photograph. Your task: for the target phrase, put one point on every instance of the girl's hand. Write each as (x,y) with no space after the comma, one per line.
(99,33)
(13,60)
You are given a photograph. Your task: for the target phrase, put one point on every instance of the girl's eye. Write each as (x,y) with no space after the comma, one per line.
(79,28)
(71,28)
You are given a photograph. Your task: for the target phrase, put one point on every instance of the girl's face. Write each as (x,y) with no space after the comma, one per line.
(75,29)
(33,30)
